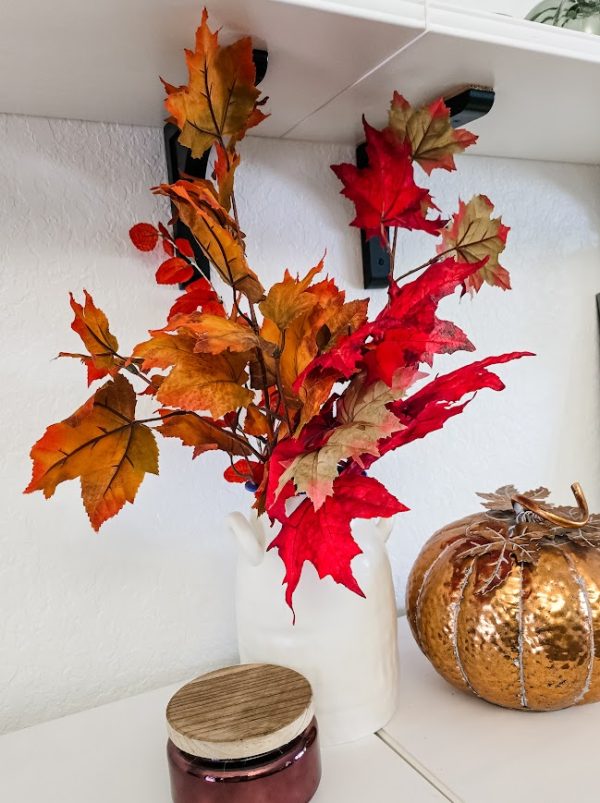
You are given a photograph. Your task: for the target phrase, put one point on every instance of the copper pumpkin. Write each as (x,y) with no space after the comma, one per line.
(506,603)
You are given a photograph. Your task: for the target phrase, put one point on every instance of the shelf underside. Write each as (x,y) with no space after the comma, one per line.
(330,62)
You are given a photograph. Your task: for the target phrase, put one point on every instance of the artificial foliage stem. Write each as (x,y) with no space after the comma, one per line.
(427,264)
(253,319)
(279,381)
(263,371)
(393,252)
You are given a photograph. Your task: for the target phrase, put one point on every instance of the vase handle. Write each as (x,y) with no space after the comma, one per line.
(556,518)
(384,528)
(248,536)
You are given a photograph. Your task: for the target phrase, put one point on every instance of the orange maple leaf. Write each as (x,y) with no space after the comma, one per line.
(220,98)
(212,227)
(311,332)
(256,422)
(103,445)
(203,434)
(91,324)
(215,334)
(197,381)
(288,299)
(224,168)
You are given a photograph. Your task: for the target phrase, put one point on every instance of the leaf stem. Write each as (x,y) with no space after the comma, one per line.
(282,397)
(393,252)
(427,264)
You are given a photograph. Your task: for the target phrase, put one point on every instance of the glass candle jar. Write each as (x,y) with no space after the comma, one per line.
(244,734)
(288,775)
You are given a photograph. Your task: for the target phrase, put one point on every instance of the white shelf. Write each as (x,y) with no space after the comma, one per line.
(116,754)
(330,61)
(482,752)
(545,80)
(102,60)
(442,744)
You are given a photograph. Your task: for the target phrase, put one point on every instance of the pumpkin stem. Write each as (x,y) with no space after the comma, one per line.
(556,518)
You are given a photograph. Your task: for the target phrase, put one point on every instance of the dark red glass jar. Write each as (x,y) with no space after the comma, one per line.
(288,775)
(244,734)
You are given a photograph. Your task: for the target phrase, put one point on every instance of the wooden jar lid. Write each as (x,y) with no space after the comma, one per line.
(240,711)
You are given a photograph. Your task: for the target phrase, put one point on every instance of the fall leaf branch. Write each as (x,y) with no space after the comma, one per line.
(235,368)
(279,380)
(432,261)
(246,476)
(264,381)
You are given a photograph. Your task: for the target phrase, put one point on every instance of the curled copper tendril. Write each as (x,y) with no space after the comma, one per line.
(556,518)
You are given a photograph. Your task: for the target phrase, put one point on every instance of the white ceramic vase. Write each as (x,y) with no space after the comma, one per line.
(344,644)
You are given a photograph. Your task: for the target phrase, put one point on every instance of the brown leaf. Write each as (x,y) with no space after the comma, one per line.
(433,140)
(364,419)
(502,498)
(203,434)
(476,236)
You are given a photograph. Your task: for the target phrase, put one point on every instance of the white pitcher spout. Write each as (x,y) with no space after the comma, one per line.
(249,536)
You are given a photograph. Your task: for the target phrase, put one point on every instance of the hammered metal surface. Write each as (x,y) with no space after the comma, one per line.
(488,640)
(435,611)
(586,563)
(426,558)
(556,651)
(533,642)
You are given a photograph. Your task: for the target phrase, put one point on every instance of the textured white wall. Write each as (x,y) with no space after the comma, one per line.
(88,618)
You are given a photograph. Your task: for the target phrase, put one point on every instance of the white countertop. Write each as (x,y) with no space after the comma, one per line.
(441,745)
(116,754)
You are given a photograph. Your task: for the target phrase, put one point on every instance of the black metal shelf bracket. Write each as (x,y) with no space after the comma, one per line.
(180,163)
(465,106)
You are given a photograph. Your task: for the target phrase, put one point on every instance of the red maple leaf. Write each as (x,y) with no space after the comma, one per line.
(441,399)
(385,193)
(406,332)
(199,295)
(324,537)
(412,345)
(410,331)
